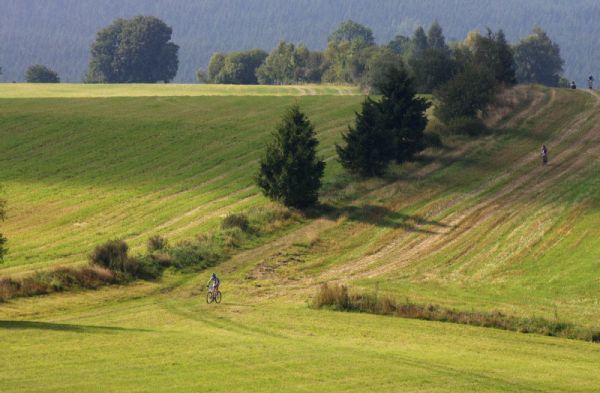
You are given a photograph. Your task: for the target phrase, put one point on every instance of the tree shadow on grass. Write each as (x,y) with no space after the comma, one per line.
(379,216)
(35,325)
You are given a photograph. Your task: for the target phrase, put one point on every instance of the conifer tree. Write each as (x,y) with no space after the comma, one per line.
(435,37)
(368,147)
(389,129)
(403,113)
(290,171)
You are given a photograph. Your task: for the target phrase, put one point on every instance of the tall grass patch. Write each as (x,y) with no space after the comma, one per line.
(338,297)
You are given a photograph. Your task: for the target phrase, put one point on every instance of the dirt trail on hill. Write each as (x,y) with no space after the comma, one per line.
(568,156)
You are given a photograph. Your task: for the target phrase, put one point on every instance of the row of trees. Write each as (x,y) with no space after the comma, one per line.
(353,57)
(386,130)
(139,50)
(464,79)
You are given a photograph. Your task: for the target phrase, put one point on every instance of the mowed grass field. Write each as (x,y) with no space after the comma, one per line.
(478,225)
(78,172)
(64,90)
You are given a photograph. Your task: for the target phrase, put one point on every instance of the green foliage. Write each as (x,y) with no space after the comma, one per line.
(538,59)
(239,221)
(492,51)
(380,61)
(215,65)
(435,37)
(157,243)
(467,94)
(39,73)
(403,113)
(236,68)
(429,59)
(391,129)
(198,254)
(113,255)
(348,51)
(431,69)
(353,32)
(136,50)
(466,125)
(399,44)
(368,146)
(285,64)
(290,171)
(201,76)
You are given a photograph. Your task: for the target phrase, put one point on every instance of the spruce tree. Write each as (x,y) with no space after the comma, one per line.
(403,113)
(368,147)
(290,171)
(435,37)
(389,129)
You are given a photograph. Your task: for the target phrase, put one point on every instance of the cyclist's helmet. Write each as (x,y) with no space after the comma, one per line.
(214,275)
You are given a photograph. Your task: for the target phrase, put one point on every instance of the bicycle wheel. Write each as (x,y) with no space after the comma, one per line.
(209,297)
(218,297)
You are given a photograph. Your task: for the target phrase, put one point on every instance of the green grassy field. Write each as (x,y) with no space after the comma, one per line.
(478,225)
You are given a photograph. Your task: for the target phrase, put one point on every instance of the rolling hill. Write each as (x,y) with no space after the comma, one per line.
(476,225)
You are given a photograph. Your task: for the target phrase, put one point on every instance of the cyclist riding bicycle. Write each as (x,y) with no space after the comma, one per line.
(214,283)
(544,155)
(591,82)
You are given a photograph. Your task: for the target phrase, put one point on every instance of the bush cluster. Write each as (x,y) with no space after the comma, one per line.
(58,280)
(337,297)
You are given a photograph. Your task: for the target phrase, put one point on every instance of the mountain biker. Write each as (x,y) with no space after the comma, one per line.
(573,85)
(544,155)
(214,283)
(591,82)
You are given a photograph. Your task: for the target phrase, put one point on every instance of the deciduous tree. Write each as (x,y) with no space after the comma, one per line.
(39,73)
(538,59)
(137,50)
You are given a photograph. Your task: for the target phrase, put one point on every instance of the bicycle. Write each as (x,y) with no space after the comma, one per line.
(213,296)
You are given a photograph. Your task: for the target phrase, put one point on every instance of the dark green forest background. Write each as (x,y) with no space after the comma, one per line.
(58,33)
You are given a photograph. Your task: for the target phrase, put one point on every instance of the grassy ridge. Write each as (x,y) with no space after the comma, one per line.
(25,90)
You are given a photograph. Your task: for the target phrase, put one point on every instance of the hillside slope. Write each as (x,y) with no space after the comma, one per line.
(59,32)
(479,225)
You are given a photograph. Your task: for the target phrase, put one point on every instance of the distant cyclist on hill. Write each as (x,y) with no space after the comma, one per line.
(213,283)
(544,155)
(591,82)
(573,85)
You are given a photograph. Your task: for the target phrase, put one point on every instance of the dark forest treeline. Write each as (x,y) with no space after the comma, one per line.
(58,33)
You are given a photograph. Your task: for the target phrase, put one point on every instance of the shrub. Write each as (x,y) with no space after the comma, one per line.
(471,126)
(334,296)
(200,254)
(150,267)
(39,73)
(236,221)
(157,243)
(57,280)
(111,255)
